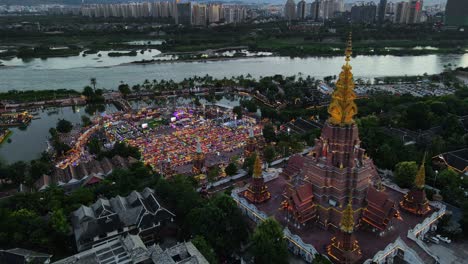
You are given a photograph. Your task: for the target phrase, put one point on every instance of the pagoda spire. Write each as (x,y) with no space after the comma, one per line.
(342,107)
(420,180)
(257,169)
(347,218)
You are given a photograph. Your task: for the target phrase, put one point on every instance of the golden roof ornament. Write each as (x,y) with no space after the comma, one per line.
(347,218)
(420,180)
(342,107)
(257,170)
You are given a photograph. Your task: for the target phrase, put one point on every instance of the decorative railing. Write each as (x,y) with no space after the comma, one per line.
(429,221)
(391,250)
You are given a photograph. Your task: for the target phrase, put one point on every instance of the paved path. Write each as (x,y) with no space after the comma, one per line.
(453,253)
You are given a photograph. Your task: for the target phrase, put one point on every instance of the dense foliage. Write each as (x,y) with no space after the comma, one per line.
(268,243)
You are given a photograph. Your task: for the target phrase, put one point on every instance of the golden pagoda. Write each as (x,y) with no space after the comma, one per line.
(342,107)
(415,201)
(344,247)
(257,191)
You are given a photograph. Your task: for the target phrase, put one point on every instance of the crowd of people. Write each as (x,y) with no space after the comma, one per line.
(173,143)
(176,143)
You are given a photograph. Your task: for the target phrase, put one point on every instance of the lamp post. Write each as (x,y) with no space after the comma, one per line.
(435,177)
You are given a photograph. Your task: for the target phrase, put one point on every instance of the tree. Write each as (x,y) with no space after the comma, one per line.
(418,116)
(464,219)
(39,168)
(17,172)
(64,126)
(221,222)
(86,121)
(269,153)
(94,146)
(207,251)
(88,92)
(231,169)
(238,111)
(124,89)
(93,82)
(269,133)
(59,221)
(268,244)
(405,172)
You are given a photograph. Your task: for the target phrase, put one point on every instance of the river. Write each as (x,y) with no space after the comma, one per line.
(67,73)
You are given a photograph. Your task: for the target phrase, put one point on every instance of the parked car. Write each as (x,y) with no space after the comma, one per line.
(435,240)
(444,239)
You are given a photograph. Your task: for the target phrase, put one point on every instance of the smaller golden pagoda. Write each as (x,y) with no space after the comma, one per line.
(257,192)
(344,247)
(415,201)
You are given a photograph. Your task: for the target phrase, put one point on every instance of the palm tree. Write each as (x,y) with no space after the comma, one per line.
(93,83)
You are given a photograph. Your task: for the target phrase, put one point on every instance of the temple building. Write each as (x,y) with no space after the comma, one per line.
(198,160)
(337,165)
(299,204)
(332,192)
(380,210)
(251,145)
(415,200)
(344,247)
(257,191)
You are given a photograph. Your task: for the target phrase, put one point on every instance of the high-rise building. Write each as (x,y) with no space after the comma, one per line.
(401,13)
(301,10)
(382,11)
(315,10)
(184,13)
(364,13)
(415,10)
(199,15)
(214,11)
(456,13)
(290,10)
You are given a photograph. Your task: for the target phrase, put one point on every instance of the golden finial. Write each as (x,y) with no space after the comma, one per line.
(349,47)
(420,179)
(347,218)
(342,107)
(257,170)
